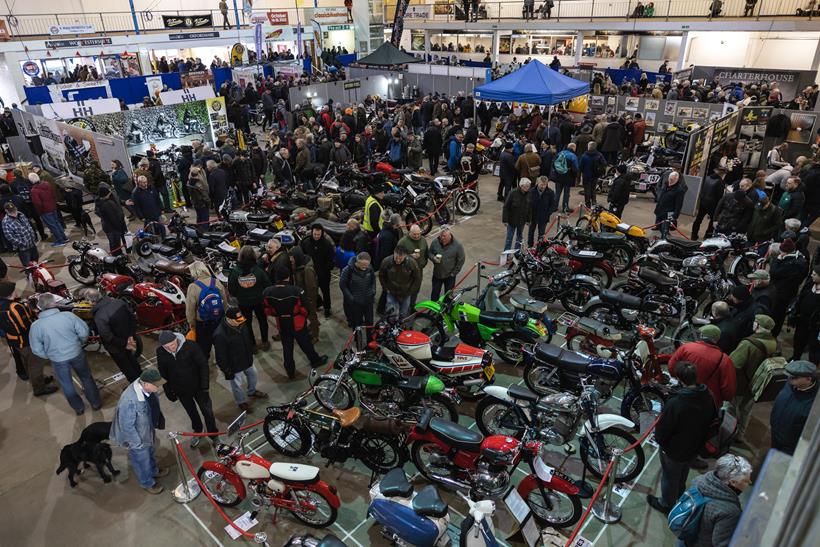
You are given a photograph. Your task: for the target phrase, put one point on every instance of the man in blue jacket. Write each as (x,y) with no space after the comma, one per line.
(454,146)
(592,165)
(542,205)
(59,337)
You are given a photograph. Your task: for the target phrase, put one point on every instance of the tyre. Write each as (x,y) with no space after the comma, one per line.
(582,344)
(508,346)
(647,398)
(597,459)
(542,379)
(468,203)
(584,224)
(431,460)
(621,257)
(686,332)
(742,266)
(429,323)
(422,218)
(599,274)
(143,248)
(81,272)
(288,437)
(496,417)
(605,313)
(442,407)
(221,489)
(314,508)
(443,215)
(576,298)
(379,453)
(333,395)
(558,510)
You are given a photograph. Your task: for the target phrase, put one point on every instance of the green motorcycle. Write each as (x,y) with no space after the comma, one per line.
(506,332)
(383,390)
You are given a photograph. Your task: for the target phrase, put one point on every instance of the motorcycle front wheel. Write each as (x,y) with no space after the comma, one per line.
(494,417)
(422,218)
(380,453)
(468,203)
(442,407)
(575,298)
(597,459)
(599,274)
(313,508)
(288,437)
(622,257)
(82,273)
(558,509)
(647,398)
(219,487)
(423,454)
(333,395)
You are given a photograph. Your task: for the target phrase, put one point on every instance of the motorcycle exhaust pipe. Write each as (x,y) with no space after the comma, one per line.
(474,382)
(458,485)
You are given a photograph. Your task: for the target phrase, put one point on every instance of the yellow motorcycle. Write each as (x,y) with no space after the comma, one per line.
(599,219)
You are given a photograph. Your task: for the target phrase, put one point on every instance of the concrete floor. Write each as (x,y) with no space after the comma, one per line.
(39,508)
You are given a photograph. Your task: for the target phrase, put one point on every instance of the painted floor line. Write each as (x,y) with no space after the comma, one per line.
(202,524)
(353,531)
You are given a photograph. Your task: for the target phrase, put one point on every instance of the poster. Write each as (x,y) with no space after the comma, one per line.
(237,54)
(724,129)
(53,157)
(649,118)
(632,104)
(189,95)
(154,85)
(217,116)
(80,109)
(699,143)
(196,78)
(753,121)
(669,108)
(684,112)
(651,104)
(801,127)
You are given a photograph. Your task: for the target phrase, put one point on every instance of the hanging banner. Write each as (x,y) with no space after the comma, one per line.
(247,8)
(196,78)
(398,22)
(85,42)
(317,36)
(257,32)
(154,85)
(189,95)
(56,30)
(698,150)
(245,74)
(80,109)
(193,35)
(418,12)
(276,18)
(237,52)
(188,21)
(217,116)
(259,17)
(327,16)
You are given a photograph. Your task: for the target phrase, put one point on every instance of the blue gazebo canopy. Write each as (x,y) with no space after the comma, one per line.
(533,83)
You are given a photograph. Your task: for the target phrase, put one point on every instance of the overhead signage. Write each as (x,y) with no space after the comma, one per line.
(338,27)
(278,17)
(82,42)
(259,17)
(257,34)
(325,16)
(417,12)
(31,68)
(193,35)
(352,84)
(80,109)
(188,21)
(56,30)
(190,95)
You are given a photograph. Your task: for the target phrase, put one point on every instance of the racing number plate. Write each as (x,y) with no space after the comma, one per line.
(489,371)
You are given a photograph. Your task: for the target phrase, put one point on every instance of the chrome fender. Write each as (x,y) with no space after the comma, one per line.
(583,278)
(607,421)
(591,302)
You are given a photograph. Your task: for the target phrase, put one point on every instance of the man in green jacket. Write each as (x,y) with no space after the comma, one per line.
(400,279)
(747,357)
(766,223)
(416,246)
(246,283)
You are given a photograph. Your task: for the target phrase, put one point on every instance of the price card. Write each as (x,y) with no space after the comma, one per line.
(542,470)
(245,522)
(531,532)
(517,506)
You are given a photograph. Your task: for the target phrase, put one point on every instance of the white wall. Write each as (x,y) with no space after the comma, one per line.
(91,6)
(753,49)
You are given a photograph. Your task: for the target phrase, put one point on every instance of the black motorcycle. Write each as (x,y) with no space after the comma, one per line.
(624,311)
(616,248)
(93,261)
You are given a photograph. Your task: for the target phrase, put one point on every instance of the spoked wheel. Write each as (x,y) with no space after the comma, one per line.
(430,460)
(82,273)
(380,453)
(467,203)
(333,395)
(621,257)
(557,509)
(648,399)
(313,508)
(599,274)
(576,298)
(582,344)
(221,489)
(494,417)
(542,379)
(441,406)
(596,458)
(443,215)
(288,437)
(422,218)
(429,324)
(510,346)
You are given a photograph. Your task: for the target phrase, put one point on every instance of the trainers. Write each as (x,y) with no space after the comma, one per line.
(47,390)
(259,395)
(156,489)
(195,441)
(162,472)
(245,406)
(656,504)
(321,362)
(59,244)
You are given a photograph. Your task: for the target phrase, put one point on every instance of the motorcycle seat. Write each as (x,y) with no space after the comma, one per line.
(655,277)
(260,218)
(110,259)
(421,179)
(561,358)
(394,484)
(443,353)
(285,209)
(294,472)
(331,541)
(622,299)
(404,171)
(165,250)
(171,267)
(607,237)
(428,503)
(683,243)
(599,329)
(529,304)
(334,229)
(519,392)
(458,436)
(216,236)
(496,318)
(348,417)
(413,383)
(585,255)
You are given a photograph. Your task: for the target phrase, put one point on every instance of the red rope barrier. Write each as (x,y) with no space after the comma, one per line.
(192,434)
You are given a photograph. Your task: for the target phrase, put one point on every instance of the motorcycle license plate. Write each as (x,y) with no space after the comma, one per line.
(489,372)
(641,186)
(235,243)
(278,223)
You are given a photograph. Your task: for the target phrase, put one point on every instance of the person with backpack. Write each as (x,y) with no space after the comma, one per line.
(564,172)
(204,305)
(233,346)
(682,429)
(715,368)
(747,357)
(708,512)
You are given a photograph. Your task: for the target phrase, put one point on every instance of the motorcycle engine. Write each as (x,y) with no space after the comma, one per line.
(387,400)
(557,421)
(490,480)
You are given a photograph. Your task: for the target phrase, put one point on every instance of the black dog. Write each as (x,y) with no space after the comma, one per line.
(96,432)
(83,452)
(86,224)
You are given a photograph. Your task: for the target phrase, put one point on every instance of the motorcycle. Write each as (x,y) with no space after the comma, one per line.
(599,219)
(291,486)
(243,221)
(409,204)
(154,304)
(422,518)
(465,199)
(93,261)
(504,332)
(383,390)
(622,310)
(556,419)
(42,280)
(192,127)
(614,246)
(465,460)
(591,263)
(310,541)
(293,430)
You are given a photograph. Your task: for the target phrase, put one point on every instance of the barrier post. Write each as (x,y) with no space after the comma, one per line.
(261,538)
(188,489)
(603,509)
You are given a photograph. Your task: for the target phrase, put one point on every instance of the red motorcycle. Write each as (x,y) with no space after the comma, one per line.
(293,487)
(154,304)
(42,280)
(463,459)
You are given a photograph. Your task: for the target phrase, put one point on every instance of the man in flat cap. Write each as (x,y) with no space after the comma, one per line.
(793,404)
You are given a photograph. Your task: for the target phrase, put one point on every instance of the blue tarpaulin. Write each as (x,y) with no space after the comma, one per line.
(221,75)
(346,59)
(619,75)
(131,90)
(534,83)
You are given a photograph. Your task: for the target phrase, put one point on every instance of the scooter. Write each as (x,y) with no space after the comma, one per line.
(290,486)
(421,518)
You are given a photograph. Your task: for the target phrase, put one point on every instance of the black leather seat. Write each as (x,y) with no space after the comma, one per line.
(622,299)
(331,541)
(394,484)
(427,503)
(444,353)
(561,358)
(415,383)
(520,392)
(494,318)
(167,266)
(458,436)
(657,278)
(403,171)
(334,229)
(216,236)
(683,243)
(585,255)
(607,237)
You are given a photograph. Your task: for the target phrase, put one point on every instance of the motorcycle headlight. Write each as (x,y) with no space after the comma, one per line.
(698,261)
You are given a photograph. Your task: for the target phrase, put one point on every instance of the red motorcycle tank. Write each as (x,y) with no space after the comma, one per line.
(415,344)
(499,449)
(115,283)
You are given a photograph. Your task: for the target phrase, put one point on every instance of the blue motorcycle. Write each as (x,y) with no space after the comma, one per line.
(421,518)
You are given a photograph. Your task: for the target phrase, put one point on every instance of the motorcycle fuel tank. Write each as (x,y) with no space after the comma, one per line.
(499,449)
(404,522)
(375,374)
(415,344)
(609,369)
(250,470)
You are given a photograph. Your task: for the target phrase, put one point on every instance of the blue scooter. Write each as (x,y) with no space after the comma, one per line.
(421,518)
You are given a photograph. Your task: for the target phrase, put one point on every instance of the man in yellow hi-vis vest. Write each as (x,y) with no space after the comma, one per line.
(373,221)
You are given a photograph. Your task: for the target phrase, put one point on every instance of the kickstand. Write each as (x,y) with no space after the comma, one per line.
(274,515)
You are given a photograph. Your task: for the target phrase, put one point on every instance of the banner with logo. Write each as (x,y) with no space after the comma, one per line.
(243,75)
(237,53)
(790,82)
(257,34)
(79,91)
(80,109)
(196,78)
(188,95)
(317,36)
(398,22)
(217,116)
(57,30)
(188,21)
(154,85)
(418,12)
(259,17)
(325,16)
(277,18)
(53,156)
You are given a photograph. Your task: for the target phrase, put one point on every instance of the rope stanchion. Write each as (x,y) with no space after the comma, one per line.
(589,508)
(185,492)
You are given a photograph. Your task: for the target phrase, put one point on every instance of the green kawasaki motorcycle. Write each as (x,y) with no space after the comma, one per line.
(382,390)
(503,331)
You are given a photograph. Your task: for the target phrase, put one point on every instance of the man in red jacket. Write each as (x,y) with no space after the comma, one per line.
(715,368)
(45,203)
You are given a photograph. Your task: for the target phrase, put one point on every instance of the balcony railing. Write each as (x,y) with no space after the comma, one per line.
(445,11)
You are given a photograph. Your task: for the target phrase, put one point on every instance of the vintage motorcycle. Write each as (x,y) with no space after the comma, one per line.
(290,486)
(383,390)
(42,280)
(616,249)
(93,261)
(293,430)
(154,304)
(622,310)
(557,419)
(599,219)
(466,460)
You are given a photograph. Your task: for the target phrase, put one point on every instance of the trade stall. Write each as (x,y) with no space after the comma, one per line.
(387,55)
(534,83)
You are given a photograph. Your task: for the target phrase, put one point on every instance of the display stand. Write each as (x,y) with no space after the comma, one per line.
(603,509)
(188,489)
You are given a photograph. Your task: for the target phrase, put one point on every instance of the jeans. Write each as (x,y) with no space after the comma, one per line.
(447,283)
(62,370)
(562,188)
(261,318)
(358,314)
(52,221)
(302,337)
(702,214)
(395,304)
(202,214)
(673,479)
(144,462)
(518,231)
(240,396)
(589,192)
(28,255)
(202,400)
(542,228)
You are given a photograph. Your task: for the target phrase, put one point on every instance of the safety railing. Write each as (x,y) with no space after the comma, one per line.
(600,9)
